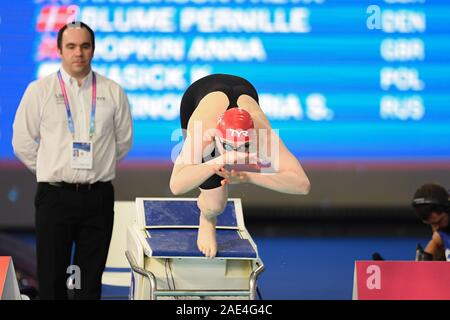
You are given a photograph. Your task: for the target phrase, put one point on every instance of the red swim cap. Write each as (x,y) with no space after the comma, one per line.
(235,124)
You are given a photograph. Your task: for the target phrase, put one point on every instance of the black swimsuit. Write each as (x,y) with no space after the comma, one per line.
(232,86)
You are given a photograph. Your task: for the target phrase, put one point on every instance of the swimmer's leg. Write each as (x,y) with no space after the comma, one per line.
(211,203)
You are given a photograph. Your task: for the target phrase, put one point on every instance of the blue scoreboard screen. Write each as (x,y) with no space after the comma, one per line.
(343,81)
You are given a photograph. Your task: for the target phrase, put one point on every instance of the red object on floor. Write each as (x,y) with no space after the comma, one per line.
(401,280)
(4,266)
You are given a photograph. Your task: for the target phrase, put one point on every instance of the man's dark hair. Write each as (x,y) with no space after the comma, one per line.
(430,198)
(74,24)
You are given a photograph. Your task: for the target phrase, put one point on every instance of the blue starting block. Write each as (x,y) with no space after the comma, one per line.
(163,254)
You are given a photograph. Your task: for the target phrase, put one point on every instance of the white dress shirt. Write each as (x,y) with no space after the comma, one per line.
(41,135)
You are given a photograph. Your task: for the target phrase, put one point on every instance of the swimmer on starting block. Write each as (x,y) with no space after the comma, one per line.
(225,133)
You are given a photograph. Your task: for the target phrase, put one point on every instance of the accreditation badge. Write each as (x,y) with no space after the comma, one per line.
(82,155)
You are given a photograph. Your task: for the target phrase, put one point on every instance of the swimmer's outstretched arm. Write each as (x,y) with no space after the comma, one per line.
(189,172)
(285,182)
(186,177)
(290,177)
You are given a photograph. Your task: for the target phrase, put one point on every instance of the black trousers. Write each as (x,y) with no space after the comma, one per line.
(65,217)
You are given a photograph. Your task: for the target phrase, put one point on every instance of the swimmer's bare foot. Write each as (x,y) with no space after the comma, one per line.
(206,238)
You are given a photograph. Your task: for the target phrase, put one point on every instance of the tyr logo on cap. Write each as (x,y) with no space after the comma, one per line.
(238,133)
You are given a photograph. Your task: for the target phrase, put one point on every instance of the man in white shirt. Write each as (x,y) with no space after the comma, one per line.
(71,128)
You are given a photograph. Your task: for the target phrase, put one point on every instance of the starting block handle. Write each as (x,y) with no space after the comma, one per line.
(253,278)
(149,275)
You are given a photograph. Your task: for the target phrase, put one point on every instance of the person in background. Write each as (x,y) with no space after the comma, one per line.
(71,128)
(431,204)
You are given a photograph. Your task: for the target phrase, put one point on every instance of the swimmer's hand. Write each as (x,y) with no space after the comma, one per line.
(232,176)
(251,166)
(247,167)
(239,161)
(233,163)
